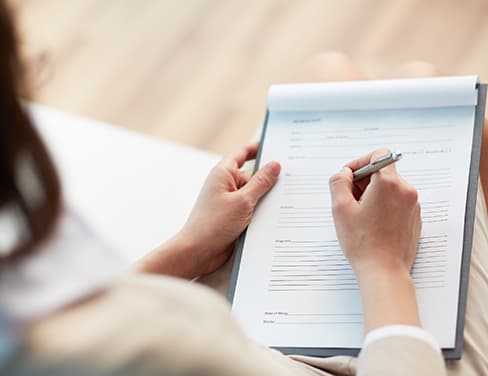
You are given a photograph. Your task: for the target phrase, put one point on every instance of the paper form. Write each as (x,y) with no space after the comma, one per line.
(295,288)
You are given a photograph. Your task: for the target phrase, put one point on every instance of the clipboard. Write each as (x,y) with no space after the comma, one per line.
(448,353)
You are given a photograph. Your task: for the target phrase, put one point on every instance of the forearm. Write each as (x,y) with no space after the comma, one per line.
(173,258)
(388,297)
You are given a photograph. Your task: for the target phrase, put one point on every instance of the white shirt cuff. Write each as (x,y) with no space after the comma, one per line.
(401,331)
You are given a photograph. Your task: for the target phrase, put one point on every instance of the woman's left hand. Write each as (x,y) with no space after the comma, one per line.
(223,210)
(225,207)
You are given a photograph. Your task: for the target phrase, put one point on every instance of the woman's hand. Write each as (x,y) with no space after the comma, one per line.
(377,219)
(225,207)
(378,226)
(223,210)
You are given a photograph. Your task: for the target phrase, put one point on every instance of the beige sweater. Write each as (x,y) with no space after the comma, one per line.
(150,325)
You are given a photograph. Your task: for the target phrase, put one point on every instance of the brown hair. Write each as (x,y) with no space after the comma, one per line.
(28,179)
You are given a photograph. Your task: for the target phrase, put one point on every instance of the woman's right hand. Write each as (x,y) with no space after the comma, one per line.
(377,219)
(378,226)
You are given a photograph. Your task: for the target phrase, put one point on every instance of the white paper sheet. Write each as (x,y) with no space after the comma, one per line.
(295,288)
(374,95)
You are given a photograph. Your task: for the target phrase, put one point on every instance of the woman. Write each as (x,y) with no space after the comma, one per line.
(76,319)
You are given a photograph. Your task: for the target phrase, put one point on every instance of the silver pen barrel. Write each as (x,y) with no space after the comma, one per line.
(376,165)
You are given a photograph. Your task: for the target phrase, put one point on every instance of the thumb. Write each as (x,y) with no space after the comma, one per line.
(262,181)
(341,189)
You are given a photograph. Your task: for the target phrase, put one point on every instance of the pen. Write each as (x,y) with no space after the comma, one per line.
(376,165)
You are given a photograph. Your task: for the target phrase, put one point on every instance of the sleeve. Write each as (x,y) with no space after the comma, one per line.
(400,350)
(401,331)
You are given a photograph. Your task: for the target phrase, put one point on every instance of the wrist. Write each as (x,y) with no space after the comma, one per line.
(174,258)
(182,249)
(393,268)
(386,279)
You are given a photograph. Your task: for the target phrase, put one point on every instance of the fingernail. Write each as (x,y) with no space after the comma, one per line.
(273,168)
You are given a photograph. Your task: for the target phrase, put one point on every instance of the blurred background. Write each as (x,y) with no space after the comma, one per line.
(197,72)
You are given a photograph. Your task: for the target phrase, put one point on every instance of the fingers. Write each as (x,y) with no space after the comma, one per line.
(366,159)
(237,159)
(387,170)
(246,175)
(341,190)
(243,177)
(362,161)
(262,181)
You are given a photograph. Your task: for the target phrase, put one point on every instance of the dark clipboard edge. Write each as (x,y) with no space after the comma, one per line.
(454,353)
(469,218)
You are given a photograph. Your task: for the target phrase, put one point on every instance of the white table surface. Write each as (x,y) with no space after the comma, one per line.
(133,190)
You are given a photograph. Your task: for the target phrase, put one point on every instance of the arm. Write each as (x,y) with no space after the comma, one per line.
(378,225)
(223,210)
(388,297)
(171,258)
